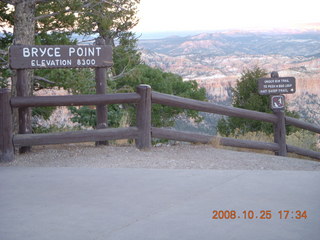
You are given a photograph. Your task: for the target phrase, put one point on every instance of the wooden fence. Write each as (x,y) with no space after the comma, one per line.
(143,132)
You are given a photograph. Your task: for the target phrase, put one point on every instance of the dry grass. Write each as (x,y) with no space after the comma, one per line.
(215,142)
(304,139)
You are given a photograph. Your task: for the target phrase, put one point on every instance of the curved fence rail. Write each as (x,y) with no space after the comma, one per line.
(186,103)
(143,132)
(202,138)
(301,124)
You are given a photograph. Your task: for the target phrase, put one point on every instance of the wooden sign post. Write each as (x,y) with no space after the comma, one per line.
(23,113)
(101,110)
(274,86)
(23,57)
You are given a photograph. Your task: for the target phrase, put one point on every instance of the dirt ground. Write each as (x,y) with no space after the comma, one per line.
(181,156)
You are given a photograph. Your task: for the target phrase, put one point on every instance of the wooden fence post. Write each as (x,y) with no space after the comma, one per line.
(24,116)
(6,143)
(280,133)
(101,110)
(144,117)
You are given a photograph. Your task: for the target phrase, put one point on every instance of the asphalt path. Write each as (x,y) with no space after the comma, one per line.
(188,192)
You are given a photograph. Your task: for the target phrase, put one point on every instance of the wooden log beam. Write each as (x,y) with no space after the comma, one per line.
(144,117)
(303,152)
(6,128)
(101,110)
(176,101)
(180,136)
(202,138)
(241,143)
(280,134)
(75,137)
(301,124)
(74,100)
(24,112)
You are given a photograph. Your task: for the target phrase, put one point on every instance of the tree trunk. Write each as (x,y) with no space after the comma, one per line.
(24,31)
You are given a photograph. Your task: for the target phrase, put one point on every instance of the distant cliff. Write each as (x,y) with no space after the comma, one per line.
(216,61)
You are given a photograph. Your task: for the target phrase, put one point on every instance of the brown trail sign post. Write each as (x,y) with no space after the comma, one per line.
(101,112)
(274,86)
(23,57)
(24,116)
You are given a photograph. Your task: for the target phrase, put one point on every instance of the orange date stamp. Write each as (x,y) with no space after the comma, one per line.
(260,214)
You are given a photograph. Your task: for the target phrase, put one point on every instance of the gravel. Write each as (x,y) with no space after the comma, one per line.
(183,156)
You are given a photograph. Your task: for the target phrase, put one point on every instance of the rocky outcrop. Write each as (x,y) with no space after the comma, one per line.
(216,61)
(61,116)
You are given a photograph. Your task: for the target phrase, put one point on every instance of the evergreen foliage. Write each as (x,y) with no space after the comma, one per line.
(246,96)
(169,83)
(5,72)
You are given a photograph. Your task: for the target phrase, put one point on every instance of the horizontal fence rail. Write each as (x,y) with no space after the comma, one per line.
(186,103)
(170,134)
(301,124)
(74,100)
(202,138)
(303,152)
(21,140)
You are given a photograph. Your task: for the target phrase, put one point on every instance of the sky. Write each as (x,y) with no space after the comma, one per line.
(187,15)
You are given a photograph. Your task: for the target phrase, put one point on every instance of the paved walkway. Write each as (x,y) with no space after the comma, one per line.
(102,204)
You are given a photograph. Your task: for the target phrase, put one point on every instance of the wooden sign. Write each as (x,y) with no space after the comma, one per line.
(275,86)
(64,56)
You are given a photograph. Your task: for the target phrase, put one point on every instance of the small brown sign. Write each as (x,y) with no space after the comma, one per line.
(275,86)
(64,56)
(277,102)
